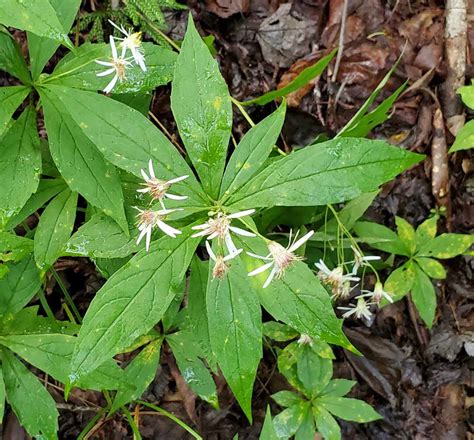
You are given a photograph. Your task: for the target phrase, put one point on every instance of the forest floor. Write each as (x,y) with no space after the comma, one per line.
(420,380)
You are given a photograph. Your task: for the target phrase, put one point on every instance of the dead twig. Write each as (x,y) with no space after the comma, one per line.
(341,40)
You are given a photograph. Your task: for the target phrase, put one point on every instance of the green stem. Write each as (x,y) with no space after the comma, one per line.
(91,424)
(45,305)
(133,425)
(67,297)
(238,104)
(172,417)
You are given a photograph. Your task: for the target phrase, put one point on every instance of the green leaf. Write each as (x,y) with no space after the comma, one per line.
(363,126)
(286,398)
(288,421)
(426,231)
(446,246)
(47,189)
(51,353)
(464,139)
(268,430)
(54,228)
(202,109)
(288,365)
(424,296)
(340,169)
(132,301)
(2,395)
(138,375)
(20,164)
(11,57)
(307,430)
(33,405)
(14,247)
(27,322)
(338,387)
(313,371)
(252,151)
(127,139)
(101,237)
(81,164)
(19,285)
(358,118)
(326,424)
(79,70)
(432,268)
(349,409)
(11,98)
(37,16)
(194,372)
(196,310)
(300,81)
(406,232)
(400,281)
(235,329)
(467,95)
(41,49)
(297,299)
(278,331)
(382,238)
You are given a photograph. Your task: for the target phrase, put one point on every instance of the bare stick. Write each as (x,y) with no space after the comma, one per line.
(341,40)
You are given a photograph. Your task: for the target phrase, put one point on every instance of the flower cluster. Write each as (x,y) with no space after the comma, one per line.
(340,284)
(119,64)
(148,219)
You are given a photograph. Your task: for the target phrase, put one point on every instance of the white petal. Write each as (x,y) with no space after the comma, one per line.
(148,239)
(106,72)
(387,296)
(143,190)
(199,234)
(260,257)
(229,243)
(144,175)
(111,84)
(142,234)
(270,277)
(231,256)
(151,170)
(322,267)
(121,29)
(175,197)
(241,213)
(104,63)
(167,229)
(371,258)
(260,269)
(114,49)
(301,241)
(213,235)
(211,253)
(241,231)
(177,179)
(124,51)
(202,226)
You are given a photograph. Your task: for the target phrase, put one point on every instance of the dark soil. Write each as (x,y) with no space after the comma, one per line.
(419,380)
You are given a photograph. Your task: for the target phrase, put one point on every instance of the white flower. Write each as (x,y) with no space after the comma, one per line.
(335,277)
(158,188)
(361,310)
(148,219)
(279,257)
(117,65)
(361,260)
(219,226)
(342,291)
(305,339)
(132,41)
(220,266)
(377,294)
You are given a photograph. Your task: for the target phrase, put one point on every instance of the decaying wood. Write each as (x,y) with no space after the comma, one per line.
(439,156)
(455,47)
